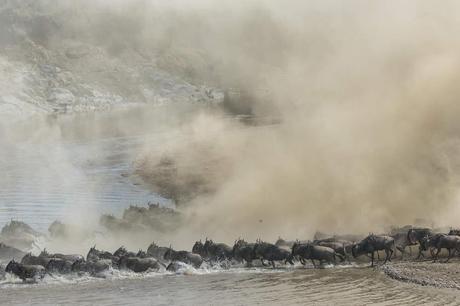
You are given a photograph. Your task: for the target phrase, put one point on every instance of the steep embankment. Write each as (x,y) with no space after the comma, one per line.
(57,57)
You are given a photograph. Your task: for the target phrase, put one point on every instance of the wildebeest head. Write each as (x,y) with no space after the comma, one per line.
(454,232)
(120,252)
(198,247)
(12,267)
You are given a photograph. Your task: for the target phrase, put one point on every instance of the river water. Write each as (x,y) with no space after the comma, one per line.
(331,286)
(44,181)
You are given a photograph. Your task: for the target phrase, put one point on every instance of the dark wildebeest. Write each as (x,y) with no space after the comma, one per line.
(71,257)
(402,242)
(337,246)
(374,243)
(95,255)
(455,232)
(156,251)
(284,243)
(217,251)
(137,264)
(32,260)
(92,267)
(416,235)
(198,248)
(428,243)
(59,265)
(449,242)
(25,272)
(315,252)
(271,253)
(243,251)
(121,251)
(184,256)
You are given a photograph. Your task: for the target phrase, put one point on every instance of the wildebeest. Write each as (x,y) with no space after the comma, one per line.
(92,267)
(337,246)
(121,251)
(59,265)
(68,257)
(137,264)
(156,251)
(25,272)
(402,242)
(95,255)
(271,253)
(428,243)
(454,232)
(415,235)
(198,248)
(313,252)
(32,260)
(374,243)
(282,243)
(243,251)
(449,242)
(186,257)
(217,251)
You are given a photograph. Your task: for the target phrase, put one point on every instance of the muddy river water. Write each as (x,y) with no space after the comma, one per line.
(43,181)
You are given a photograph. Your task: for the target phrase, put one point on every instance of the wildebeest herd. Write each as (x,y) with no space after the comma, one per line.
(330,250)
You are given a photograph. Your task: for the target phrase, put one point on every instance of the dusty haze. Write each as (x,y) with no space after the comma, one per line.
(366,94)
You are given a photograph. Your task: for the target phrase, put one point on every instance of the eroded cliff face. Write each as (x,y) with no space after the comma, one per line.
(62,58)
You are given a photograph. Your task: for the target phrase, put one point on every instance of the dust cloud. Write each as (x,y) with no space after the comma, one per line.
(365,96)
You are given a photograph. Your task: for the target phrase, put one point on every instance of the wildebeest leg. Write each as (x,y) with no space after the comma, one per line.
(263,262)
(436,255)
(273,264)
(372,259)
(388,255)
(450,254)
(302,261)
(313,262)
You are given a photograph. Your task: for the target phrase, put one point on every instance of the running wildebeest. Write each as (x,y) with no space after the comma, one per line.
(59,265)
(156,251)
(449,242)
(243,251)
(138,265)
(93,267)
(121,251)
(454,232)
(271,253)
(416,235)
(198,248)
(25,272)
(70,257)
(32,260)
(95,255)
(374,243)
(217,251)
(314,252)
(402,242)
(186,257)
(428,243)
(337,246)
